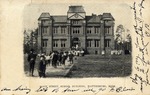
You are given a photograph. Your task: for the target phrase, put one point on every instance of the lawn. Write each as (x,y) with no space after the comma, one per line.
(102,66)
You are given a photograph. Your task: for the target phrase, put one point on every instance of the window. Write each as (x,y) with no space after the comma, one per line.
(96,52)
(45,30)
(76,30)
(107,42)
(88,30)
(89,43)
(96,30)
(44,43)
(107,30)
(55,30)
(44,21)
(63,43)
(75,22)
(96,43)
(55,43)
(63,29)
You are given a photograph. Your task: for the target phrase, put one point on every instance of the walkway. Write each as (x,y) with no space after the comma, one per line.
(60,71)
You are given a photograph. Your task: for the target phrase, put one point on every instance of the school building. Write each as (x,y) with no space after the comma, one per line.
(76,30)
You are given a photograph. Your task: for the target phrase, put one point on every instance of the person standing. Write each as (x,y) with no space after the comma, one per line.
(31,59)
(42,67)
(50,58)
(54,60)
(59,58)
(47,59)
(64,57)
(70,55)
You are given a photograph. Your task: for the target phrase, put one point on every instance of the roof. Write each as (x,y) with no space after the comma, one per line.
(93,18)
(107,16)
(59,18)
(73,9)
(45,15)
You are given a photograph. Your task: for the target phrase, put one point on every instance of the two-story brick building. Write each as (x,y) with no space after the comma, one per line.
(93,33)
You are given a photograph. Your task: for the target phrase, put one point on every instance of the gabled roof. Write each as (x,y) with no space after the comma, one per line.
(74,9)
(107,16)
(45,15)
(59,18)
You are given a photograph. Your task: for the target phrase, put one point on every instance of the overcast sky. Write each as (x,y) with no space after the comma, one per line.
(121,12)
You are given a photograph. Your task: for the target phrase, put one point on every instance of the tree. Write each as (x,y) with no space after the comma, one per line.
(30,40)
(119,37)
(119,33)
(26,42)
(128,42)
(123,38)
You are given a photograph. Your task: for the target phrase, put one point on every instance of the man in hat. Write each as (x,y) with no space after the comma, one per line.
(31,60)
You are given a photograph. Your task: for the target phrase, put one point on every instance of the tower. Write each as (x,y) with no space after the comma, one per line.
(76,16)
(45,27)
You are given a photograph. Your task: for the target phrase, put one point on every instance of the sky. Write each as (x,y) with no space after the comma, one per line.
(121,12)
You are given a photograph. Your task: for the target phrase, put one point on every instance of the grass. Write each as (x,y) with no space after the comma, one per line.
(102,66)
(96,66)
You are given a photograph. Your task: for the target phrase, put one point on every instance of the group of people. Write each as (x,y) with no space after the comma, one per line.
(53,59)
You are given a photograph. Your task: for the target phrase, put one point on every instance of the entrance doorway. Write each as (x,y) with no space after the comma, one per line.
(75,43)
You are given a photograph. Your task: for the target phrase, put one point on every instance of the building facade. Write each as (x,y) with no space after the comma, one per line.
(76,30)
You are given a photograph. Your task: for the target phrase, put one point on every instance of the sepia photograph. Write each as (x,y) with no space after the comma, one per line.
(78,42)
(74,47)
